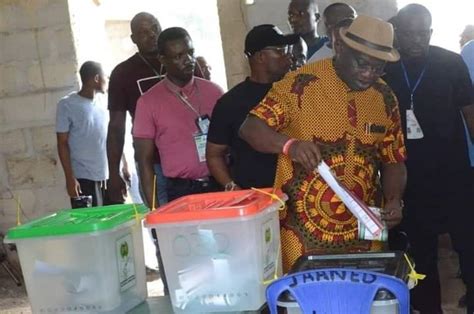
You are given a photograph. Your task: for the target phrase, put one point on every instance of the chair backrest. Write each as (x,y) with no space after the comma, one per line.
(337,291)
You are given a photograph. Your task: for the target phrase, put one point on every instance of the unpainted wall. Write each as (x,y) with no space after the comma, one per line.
(37,67)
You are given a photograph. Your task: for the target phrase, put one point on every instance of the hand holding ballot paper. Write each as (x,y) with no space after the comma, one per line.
(370,222)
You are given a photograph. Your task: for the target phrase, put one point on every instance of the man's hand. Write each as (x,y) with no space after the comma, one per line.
(392,213)
(127,177)
(73,187)
(116,189)
(306,153)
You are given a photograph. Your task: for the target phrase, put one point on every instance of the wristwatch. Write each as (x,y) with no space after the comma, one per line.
(230,186)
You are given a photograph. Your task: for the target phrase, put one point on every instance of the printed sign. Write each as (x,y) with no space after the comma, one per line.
(125,262)
(270,251)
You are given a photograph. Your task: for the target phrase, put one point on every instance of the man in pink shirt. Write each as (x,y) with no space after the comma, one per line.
(173,116)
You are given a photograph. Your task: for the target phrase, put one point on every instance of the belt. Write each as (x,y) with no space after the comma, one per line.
(200,181)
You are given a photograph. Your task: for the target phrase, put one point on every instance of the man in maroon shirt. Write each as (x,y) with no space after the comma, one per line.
(128,81)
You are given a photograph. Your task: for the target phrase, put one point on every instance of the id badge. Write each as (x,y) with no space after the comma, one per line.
(203,124)
(414,131)
(201,140)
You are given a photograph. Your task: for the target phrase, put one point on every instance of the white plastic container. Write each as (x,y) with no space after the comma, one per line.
(219,249)
(88,260)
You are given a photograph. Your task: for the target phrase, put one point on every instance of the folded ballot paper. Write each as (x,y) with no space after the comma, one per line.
(371,221)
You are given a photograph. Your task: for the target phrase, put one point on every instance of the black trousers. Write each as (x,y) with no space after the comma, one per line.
(96,189)
(423,226)
(177,187)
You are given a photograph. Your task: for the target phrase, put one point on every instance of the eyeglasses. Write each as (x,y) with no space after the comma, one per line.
(364,66)
(280,50)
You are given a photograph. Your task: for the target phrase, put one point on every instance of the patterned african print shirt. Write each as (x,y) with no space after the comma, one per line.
(357,132)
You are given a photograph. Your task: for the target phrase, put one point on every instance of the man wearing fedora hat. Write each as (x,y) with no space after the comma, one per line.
(339,111)
(434,88)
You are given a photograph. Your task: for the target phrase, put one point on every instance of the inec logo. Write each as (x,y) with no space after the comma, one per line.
(124,250)
(268,235)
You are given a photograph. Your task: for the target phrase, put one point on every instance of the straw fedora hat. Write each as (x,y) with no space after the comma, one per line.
(371,36)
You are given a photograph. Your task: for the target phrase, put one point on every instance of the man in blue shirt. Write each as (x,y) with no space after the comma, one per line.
(81,127)
(467,48)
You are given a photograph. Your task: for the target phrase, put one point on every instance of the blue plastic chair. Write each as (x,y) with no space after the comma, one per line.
(337,291)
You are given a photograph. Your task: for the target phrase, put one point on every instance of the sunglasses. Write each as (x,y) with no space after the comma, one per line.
(280,50)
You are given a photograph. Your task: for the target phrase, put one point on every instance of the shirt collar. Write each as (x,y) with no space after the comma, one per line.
(469,45)
(334,80)
(186,89)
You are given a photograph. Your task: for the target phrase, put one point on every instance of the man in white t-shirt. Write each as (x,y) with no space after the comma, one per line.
(81,128)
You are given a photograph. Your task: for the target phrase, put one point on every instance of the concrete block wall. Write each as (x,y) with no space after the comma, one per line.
(38,66)
(237,18)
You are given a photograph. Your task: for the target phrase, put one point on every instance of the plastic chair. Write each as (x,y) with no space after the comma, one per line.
(337,291)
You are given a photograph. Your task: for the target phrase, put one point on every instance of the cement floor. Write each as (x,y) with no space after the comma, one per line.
(13,299)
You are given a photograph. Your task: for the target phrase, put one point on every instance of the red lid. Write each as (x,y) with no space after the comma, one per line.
(217,205)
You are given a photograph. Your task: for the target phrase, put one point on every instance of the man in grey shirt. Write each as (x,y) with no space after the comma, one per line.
(81,128)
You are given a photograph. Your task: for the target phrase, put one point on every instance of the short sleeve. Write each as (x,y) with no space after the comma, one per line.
(462,88)
(274,108)
(467,54)
(63,121)
(144,125)
(117,98)
(393,148)
(220,129)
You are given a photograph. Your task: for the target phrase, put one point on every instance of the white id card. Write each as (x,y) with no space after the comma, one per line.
(200,140)
(414,131)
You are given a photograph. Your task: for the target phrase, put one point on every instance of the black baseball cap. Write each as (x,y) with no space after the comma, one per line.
(266,35)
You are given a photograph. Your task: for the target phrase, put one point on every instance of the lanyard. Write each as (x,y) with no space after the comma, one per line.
(184,99)
(407,80)
(149,65)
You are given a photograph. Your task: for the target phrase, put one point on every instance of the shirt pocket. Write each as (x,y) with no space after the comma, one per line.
(373,132)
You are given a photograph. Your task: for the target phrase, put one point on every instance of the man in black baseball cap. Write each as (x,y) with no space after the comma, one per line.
(268,37)
(268,54)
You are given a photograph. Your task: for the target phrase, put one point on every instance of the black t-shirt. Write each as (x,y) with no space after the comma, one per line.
(249,168)
(129,80)
(439,162)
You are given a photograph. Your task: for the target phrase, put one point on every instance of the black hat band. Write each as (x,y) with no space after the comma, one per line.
(367,43)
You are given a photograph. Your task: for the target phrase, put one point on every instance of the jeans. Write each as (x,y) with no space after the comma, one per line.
(161,180)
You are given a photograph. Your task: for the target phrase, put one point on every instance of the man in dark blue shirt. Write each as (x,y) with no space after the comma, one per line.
(433,88)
